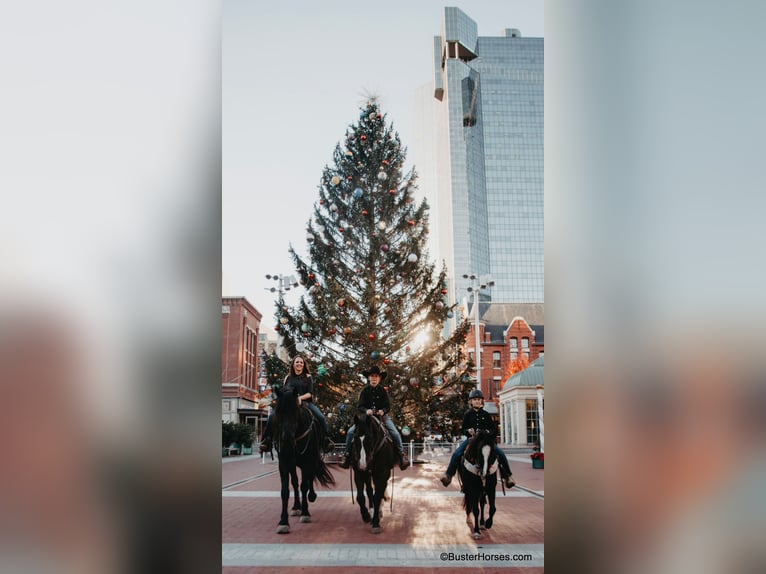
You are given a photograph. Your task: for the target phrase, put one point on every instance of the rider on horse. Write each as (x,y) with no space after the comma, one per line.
(374,400)
(299,379)
(477,419)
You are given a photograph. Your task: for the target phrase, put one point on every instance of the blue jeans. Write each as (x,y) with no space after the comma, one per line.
(397,438)
(455,460)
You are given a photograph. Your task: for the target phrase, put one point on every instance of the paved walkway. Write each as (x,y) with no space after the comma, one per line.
(425,531)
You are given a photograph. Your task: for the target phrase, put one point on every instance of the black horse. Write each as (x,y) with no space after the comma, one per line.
(372,458)
(478,473)
(298,440)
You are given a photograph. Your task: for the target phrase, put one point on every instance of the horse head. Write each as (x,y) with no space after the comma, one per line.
(286,416)
(480,452)
(368,438)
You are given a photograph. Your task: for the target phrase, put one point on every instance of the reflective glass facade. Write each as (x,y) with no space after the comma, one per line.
(483,173)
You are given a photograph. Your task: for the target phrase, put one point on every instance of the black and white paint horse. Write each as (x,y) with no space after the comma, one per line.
(298,440)
(372,458)
(478,473)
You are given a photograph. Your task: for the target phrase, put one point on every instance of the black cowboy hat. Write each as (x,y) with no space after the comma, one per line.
(375,370)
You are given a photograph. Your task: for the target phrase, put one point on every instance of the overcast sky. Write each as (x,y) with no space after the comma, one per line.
(294,76)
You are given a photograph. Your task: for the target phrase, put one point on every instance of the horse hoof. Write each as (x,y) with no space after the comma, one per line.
(366,519)
(489,524)
(295,512)
(305,519)
(476,535)
(283,529)
(377,530)
(312,496)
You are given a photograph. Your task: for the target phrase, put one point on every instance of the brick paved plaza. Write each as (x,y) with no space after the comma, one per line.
(427,521)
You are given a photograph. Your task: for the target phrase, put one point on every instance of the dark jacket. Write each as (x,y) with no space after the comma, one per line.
(301,385)
(374,398)
(478,420)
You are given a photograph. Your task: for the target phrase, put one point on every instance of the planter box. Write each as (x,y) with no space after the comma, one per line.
(247,450)
(537,463)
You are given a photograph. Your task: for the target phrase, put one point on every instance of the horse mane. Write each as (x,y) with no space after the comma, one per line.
(476,442)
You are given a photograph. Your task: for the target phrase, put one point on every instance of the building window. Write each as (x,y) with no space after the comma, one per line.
(227,406)
(526,355)
(525,343)
(496,359)
(514,356)
(533,422)
(514,343)
(541,355)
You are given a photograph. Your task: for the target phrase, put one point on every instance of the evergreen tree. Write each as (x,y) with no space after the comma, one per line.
(372,297)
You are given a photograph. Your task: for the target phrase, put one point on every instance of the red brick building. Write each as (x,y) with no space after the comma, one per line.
(240,325)
(506,331)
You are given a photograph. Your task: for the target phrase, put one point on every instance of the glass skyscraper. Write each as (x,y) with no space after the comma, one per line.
(479,151)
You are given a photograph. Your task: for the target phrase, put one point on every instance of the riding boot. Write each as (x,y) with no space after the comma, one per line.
(346,460)
(507,477)
(404,462)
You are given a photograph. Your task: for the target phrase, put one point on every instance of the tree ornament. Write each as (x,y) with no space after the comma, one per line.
(341,229)
(333,318)
(411,222)
(341,302)
(335,180)
(386,361)
(450,314)
(384,247)
(350,178)
(348,152)
(358,192)
(346,330)
(374,355)
(382,225)
(382,176)
(439,305)
(284,320)
(385,162)
(333,208)
(371,337)
(310,238)
(321,370)
(365,212)
(363,137)
(305,327)
(444,291)
(372,116)
(412,258)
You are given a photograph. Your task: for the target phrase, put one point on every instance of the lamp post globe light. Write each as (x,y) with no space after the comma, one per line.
(477,285)
(284,283)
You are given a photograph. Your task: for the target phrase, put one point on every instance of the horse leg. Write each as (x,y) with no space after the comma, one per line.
(361,487)
(482,504)
(284,523)
(306,480)
(380,489)
(491,499)
(296,509)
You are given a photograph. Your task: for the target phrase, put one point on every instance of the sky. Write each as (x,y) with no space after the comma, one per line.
(294,75)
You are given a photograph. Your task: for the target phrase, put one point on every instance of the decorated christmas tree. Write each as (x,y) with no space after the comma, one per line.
(372,296)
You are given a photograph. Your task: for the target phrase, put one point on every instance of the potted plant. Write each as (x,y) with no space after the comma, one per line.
(227,436)
(245,437)
(538,459)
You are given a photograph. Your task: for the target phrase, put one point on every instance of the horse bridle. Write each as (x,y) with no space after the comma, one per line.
(381,442)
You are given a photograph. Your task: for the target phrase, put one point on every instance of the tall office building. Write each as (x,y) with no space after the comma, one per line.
(478,148)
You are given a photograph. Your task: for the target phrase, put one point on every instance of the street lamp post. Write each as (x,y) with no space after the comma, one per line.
(476,286)
(284,283)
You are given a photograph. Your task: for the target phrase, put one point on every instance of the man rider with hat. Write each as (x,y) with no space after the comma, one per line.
(374,400)
(477,419)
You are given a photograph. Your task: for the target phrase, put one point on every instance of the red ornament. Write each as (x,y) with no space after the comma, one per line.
(386,360)
(311,275)
(341,229)
(363,137)
(379,116)
(341,302)
(321,202)
(365,212)
(350,178)
(444,291)
(392,191)
(371,337)
(411,222)
(320,385)
(385,162)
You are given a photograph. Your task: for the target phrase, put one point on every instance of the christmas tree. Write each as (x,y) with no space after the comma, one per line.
(371,294)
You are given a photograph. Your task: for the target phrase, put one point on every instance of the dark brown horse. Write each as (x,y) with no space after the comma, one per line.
(478,473)
(372,458)
(298,440)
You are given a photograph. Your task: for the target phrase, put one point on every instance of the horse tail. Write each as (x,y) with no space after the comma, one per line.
(323,474)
